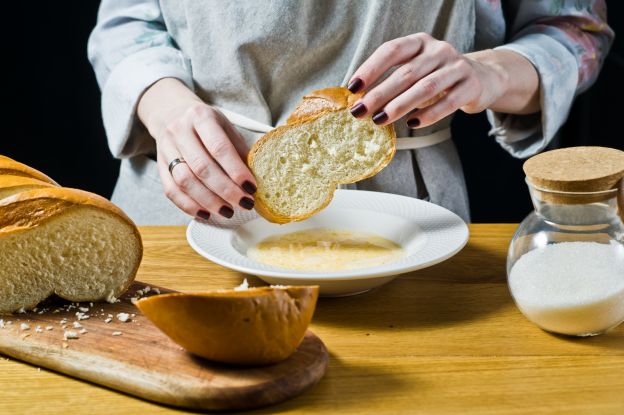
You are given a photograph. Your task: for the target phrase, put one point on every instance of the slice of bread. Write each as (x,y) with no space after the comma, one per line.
(63,241)
(10,184)
(298,166)
(255,326)
(12,167)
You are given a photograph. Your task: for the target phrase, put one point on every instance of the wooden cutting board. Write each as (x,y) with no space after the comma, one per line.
(137,358)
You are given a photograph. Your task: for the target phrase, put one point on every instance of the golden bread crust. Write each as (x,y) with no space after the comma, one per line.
(257,326)
(12,167)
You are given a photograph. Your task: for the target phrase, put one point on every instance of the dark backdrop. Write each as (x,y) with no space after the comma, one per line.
(54,121)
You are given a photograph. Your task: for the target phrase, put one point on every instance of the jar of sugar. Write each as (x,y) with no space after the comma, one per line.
(565,265)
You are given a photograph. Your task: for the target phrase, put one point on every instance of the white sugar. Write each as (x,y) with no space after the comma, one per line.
(571,287)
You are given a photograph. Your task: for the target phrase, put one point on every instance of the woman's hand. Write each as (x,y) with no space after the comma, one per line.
(433,80)
(214,177)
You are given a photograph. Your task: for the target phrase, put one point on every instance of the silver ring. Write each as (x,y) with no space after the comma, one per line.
(174,163)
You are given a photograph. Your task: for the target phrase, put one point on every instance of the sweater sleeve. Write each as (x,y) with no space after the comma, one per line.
(129,50)
(566,41)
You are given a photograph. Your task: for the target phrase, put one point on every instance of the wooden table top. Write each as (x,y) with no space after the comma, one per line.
(447,339)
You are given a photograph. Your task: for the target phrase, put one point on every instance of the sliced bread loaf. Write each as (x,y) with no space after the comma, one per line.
(15,168)
(298,166)
(63,241)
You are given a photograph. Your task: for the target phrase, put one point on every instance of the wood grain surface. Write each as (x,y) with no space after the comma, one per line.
(135,357)
(446,339)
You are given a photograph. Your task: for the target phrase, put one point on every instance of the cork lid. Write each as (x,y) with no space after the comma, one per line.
(587,174)
(576,169)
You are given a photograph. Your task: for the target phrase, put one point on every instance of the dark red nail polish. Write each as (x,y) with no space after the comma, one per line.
(202,214)
(246,203)
(380,117)
(226,212)
(413,123)
(358,110)
(249,187)
(355,85)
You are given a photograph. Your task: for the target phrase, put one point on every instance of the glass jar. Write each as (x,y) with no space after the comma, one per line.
(565,265)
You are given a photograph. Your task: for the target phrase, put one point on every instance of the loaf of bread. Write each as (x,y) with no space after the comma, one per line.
(15,168)
(255,326)
(298,166)
(62,241)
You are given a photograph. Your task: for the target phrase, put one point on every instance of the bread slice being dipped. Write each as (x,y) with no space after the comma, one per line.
(298,165)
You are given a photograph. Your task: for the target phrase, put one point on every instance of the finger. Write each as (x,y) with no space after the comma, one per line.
(220,147)
(173,192)
(189,184)
(458,96)
(208,172)
(398,82)
(235,136)
(427,89)
(391,53)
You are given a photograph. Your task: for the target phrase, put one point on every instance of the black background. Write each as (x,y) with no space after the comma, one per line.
(53,122)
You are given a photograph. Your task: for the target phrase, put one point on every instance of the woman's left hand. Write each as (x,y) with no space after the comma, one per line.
(433,80)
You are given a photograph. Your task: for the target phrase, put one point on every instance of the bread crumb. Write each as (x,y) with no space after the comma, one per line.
(82,331)
(77,325)
(21,311)
(38,329)
(84,309)
(117,333)
(244,286)
(48,328)
(35,309)
(81,316)
(123,317)
(156,290)
(108,320)
(1,324)
(69,335)
(63,321)
(24,326)
(90,304)
(134,300)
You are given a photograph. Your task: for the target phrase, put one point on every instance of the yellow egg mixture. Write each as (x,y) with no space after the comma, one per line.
(325,250)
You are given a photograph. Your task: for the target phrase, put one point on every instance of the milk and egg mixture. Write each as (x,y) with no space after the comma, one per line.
(325,250)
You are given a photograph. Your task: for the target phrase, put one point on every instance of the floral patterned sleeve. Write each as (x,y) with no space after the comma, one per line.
(130,49)
(566,41)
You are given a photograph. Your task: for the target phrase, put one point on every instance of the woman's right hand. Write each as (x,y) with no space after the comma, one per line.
(214,178)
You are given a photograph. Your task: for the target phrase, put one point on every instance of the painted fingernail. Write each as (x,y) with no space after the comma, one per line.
(249,187)
(358,110)
(202,214)
(355,85)
(413,123)
(226,212)
(246,203)
(380,118)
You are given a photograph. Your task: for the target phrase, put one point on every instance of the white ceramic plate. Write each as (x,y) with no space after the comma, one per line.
(428,233)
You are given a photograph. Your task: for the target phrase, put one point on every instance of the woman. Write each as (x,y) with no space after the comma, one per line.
(164,65)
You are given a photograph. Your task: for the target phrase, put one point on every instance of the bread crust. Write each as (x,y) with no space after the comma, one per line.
(17,211)
(257,326)
(9,181)
(312,107)
(12,167)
